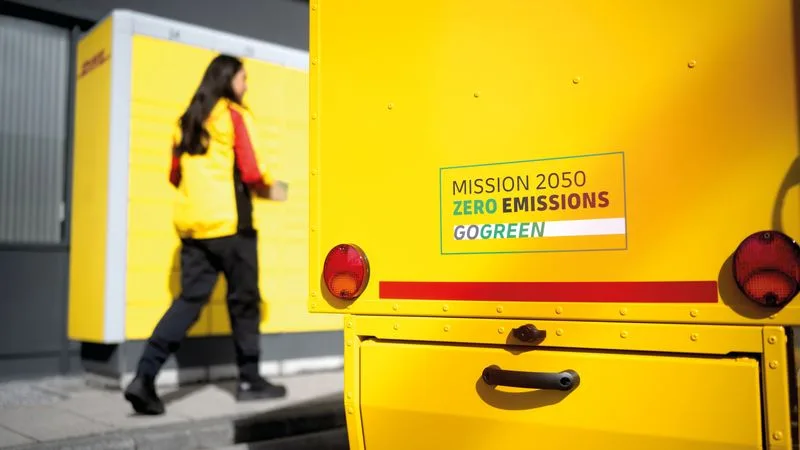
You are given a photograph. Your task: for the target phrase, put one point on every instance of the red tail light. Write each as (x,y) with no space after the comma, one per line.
(346,271)
(766,267)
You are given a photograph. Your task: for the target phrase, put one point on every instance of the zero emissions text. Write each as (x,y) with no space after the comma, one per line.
(527,203)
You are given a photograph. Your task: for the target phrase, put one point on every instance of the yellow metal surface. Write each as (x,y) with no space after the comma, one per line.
(436,399)
(165,75)
(352,383)
(89,185)
(692,104)
(422,373)
(654,338)
(776,379)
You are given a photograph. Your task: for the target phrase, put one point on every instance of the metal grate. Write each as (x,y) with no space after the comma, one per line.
(34,79)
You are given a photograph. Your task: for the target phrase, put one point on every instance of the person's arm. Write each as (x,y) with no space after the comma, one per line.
(175,168)
(252,168)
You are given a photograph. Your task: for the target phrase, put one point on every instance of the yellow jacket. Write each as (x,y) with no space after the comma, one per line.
(214,197)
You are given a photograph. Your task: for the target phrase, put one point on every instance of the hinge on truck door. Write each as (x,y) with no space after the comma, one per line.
(793,341)
(778,387)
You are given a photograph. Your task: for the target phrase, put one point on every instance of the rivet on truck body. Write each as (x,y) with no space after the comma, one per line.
(692,64)
(693,313)
(390,106)
(395,307)
(349,342)
(501,330)
(396,326)
(772,339)
(477,94)
(349,410)
(313,306)
(559,332)
(445,308)
(559,310)
(576,80)
(349,324)
(777,436)
(499,309)
(314,61)
(349,395)
(623,335)
(446,328)
(694,336)
(773,364)
(314,116)
(623,312)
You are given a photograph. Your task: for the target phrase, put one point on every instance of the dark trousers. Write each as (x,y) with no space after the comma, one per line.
(201,262)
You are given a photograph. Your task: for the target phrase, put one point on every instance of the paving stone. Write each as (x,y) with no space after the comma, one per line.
(69,414)
(112,409)
(47,423)
(9,438)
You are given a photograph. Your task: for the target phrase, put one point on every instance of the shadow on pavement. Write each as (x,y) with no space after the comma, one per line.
(335,439)
(319,423)
(183,391)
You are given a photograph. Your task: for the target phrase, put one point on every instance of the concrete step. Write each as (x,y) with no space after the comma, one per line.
(66,413)
(307,420)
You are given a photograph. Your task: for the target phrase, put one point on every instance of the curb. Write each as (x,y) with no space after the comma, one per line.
(335,439)
(211,433)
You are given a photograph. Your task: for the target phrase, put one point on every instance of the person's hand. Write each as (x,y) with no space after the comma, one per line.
(278,191)
(261,191)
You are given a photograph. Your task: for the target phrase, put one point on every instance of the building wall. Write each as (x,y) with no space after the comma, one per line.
(34,251)
(34,80)
(33,338)
(283,22)
(34,138)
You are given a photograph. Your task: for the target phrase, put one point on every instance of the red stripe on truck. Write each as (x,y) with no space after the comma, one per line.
(587,292)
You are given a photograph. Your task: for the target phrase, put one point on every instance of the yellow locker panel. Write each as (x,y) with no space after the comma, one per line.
(87,277)
(164,77)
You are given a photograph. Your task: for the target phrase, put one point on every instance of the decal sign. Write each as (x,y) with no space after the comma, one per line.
(562,204)
(95,61)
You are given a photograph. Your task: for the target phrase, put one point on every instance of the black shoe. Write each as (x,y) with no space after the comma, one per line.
(258,389)
(141,393)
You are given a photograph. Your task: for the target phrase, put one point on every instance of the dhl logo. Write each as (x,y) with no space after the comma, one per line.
(97,60)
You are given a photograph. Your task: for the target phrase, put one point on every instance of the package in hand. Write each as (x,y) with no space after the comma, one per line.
(279,191)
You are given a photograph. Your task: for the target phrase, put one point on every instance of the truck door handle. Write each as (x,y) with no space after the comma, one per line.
(555,381)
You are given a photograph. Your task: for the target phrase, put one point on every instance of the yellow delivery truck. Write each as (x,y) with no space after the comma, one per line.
(559,224)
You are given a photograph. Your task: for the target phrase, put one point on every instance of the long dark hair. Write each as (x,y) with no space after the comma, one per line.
(216,84)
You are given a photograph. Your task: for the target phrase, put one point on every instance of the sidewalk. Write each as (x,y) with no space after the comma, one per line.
(66,413)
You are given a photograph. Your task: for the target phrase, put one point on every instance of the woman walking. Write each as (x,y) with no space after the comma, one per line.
(216,173)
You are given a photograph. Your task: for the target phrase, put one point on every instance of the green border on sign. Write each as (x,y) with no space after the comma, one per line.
(624,205)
